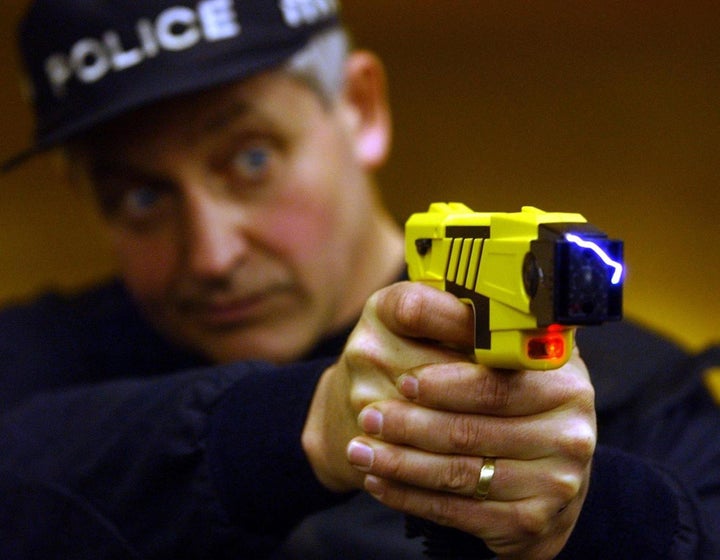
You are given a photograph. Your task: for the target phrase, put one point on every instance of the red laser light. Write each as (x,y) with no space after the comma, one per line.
(550,347)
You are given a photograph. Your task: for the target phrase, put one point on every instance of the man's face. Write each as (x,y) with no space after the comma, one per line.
(237,215)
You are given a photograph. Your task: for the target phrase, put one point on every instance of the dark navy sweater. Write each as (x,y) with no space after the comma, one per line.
(114,443)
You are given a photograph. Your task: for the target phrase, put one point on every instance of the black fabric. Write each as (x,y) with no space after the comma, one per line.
(647,509)
(239,468)
(37,507)
(59,342)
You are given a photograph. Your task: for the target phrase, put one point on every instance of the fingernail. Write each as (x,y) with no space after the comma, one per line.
(360,455)
(371,421)
(408,386)
(374,486)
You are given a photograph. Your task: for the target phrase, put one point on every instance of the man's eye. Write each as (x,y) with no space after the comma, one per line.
(142,206)
(252,164)
(141,199)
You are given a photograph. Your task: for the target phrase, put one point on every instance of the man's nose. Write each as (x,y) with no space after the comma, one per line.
(214,238)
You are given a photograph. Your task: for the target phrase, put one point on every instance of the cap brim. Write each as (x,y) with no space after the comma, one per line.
(17,160)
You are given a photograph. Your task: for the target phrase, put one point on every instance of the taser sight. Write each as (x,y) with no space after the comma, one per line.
(531,277)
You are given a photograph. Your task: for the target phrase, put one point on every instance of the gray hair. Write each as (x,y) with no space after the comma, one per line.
(321,63)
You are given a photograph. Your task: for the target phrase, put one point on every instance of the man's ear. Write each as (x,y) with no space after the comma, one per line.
(365,96)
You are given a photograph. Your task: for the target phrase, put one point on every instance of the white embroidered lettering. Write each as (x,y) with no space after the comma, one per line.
(147,38)
(176,29)
(121,59)
(89,60)
(58,71)
(218,19)
(299,12)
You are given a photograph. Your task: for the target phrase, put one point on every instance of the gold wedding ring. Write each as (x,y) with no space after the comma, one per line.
(487,471)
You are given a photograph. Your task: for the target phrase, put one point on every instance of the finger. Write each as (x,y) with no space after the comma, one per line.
(414,310)
(568,432)
(374,347)
(374,357)
(529,528)
(468,387)
(512,480)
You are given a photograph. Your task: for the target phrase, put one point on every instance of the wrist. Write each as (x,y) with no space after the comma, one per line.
(330,425)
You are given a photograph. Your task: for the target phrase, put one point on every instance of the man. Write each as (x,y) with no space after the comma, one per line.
(224,399)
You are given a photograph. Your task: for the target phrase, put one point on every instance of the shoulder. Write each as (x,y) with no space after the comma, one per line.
(57,320)
(624,358)
(50,308)
(59,340)
(38,346)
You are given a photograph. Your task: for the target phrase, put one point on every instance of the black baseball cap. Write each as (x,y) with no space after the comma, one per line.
(90,61)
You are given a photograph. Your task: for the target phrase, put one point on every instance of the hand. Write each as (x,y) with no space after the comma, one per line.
(422,454)
(378,352)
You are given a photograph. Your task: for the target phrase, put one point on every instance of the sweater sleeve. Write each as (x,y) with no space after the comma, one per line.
(190,465)
(655,481)
(636,510)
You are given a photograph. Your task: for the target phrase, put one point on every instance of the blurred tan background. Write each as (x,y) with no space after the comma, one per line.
(611,109)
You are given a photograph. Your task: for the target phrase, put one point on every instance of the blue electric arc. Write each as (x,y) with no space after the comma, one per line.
(600,252)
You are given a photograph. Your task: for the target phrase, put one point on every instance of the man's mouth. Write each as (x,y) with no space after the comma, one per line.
(229,312)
